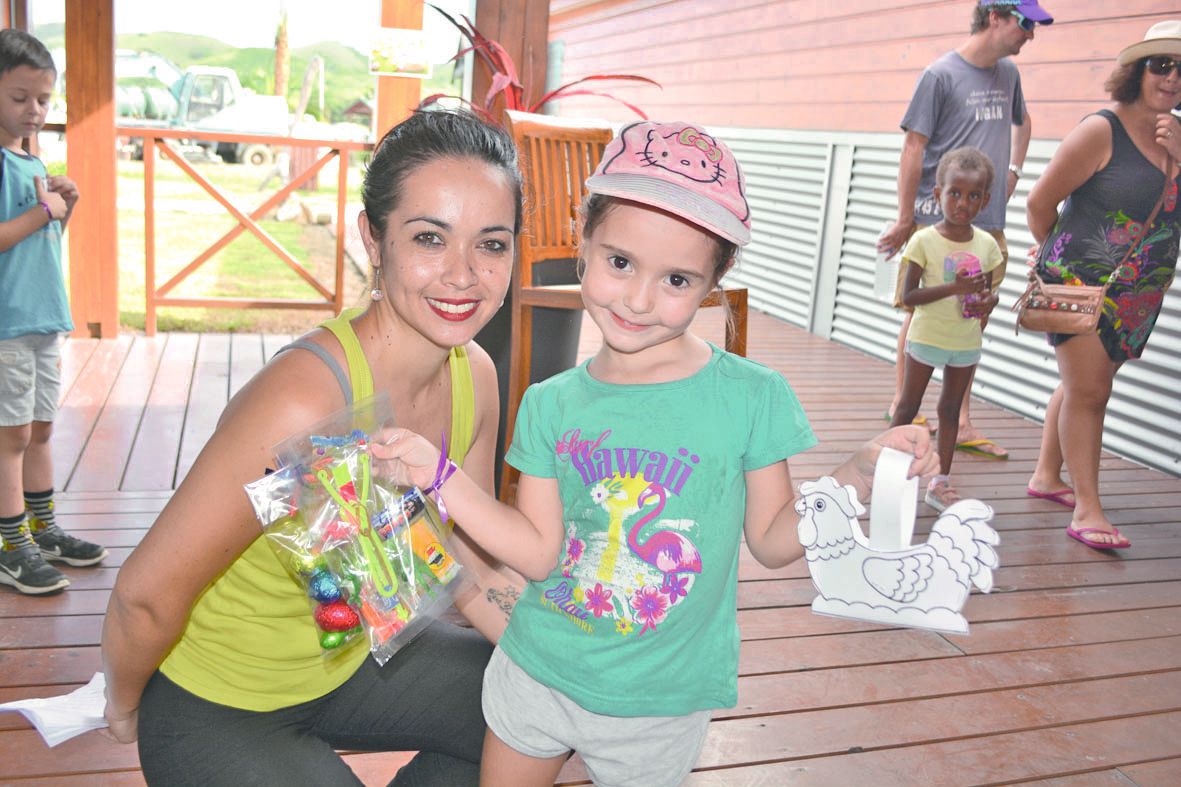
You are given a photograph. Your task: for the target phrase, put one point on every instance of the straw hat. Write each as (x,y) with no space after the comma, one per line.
(1163,38)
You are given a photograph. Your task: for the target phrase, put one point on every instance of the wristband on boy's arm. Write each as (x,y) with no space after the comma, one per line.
(48,212)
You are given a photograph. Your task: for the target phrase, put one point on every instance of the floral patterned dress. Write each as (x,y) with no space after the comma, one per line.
(1099,221)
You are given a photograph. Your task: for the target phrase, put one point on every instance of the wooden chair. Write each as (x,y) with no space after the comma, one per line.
(557,156)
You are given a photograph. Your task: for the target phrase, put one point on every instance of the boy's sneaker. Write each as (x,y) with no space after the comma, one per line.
(61,546)
(25,569)
(941,494)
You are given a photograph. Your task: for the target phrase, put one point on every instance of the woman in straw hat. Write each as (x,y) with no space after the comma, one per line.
(1111,170)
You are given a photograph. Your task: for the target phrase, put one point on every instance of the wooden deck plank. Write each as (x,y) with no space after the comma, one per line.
(789,692)
(108,779)
(152,464)
(247,356)
(103,460)
(1071,673)
(82,405)
(75,353)
(789,592)
(1162,773)
(998,759)
(207,398)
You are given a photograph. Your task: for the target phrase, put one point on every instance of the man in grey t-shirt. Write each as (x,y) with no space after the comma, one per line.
(969,96)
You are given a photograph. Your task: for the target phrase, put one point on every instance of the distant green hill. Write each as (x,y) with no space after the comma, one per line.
(346,71)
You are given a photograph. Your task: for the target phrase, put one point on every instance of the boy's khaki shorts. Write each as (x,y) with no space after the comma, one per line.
(30,378)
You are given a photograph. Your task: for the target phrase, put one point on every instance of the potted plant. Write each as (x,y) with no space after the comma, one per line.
(507,84)
(555,332)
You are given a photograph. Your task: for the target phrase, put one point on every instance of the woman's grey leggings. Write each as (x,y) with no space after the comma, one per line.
(425,699)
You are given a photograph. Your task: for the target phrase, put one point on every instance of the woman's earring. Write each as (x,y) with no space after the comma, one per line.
(376,293)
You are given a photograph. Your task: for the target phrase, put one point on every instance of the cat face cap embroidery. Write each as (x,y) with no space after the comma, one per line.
(679,168)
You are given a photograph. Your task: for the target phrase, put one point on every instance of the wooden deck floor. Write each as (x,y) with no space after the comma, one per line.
(1071,672)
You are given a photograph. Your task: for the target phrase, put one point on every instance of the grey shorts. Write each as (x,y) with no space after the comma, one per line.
(30,378)
(619,751)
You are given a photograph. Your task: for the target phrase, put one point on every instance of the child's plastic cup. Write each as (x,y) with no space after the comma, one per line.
(969,265)
(885,271)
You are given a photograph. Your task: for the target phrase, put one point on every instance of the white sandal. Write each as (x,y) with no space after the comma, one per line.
(941,494)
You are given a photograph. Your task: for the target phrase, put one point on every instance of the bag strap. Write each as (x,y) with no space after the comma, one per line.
(1022,303)
(1160,201)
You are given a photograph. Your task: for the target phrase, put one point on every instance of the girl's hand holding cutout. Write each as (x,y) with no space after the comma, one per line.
(911,439)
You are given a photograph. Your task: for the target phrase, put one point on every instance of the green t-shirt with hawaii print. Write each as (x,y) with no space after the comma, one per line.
(639,618)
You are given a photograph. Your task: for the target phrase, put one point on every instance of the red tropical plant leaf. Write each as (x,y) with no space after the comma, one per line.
(502,83)
(505,78)
(558,92)
(616,99)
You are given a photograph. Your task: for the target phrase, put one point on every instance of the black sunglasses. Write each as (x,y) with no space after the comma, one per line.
(1161,65)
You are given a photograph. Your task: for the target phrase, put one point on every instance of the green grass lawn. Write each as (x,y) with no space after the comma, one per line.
(189,220)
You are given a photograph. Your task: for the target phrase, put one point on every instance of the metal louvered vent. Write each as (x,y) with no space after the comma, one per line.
(818,203)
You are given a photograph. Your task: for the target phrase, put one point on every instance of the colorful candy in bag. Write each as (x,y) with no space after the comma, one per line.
(371,555)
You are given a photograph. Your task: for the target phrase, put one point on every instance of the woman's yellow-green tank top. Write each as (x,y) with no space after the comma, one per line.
(250,641)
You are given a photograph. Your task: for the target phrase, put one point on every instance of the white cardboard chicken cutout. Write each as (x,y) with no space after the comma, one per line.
(883,578)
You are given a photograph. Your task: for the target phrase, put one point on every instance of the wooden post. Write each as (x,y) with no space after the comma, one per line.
(15,14)
(522,28)
(90,161)
(398,96)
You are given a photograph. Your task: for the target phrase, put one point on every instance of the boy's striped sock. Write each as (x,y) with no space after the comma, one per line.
(55,543)
(39,507)
(14,531)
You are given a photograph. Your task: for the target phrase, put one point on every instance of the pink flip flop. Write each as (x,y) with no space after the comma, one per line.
(1058,497)
(1080,534)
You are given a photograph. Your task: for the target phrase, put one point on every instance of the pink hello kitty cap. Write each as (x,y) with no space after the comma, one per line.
(679,168)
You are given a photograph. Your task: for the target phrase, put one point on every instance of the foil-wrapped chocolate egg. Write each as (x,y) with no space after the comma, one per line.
(331,639)
(336,616)
(322,587)
(304,565)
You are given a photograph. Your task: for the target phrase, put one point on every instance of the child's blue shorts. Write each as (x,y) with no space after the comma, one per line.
(937,357)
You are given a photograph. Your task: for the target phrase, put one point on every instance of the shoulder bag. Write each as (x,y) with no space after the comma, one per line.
(1066,308)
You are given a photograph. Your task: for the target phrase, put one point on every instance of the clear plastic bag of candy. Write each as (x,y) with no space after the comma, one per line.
(371,555)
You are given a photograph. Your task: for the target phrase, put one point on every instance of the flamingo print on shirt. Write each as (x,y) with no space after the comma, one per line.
(669,551)
(626,566)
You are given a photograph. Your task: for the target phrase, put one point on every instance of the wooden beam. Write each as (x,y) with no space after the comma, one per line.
(398,96)
(90,161)
(522,28)
(15,14)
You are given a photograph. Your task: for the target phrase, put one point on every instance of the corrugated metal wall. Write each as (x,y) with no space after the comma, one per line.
(819,201)
(802,64)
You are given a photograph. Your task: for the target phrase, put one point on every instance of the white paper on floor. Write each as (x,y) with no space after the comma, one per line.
(63,717)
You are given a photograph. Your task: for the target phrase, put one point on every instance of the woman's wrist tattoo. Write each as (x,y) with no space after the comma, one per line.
(506,598)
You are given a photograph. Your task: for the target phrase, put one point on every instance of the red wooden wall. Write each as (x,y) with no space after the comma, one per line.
(827,64)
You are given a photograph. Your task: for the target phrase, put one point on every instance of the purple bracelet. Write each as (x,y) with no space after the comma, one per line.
(48,212)
(445,469)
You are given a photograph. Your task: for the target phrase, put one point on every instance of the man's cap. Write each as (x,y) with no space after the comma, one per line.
(679,168)
(1027,8)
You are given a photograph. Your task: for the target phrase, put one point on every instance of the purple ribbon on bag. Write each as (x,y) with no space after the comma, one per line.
(444,471)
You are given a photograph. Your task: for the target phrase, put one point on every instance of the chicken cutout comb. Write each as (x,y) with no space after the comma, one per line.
(886,579)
